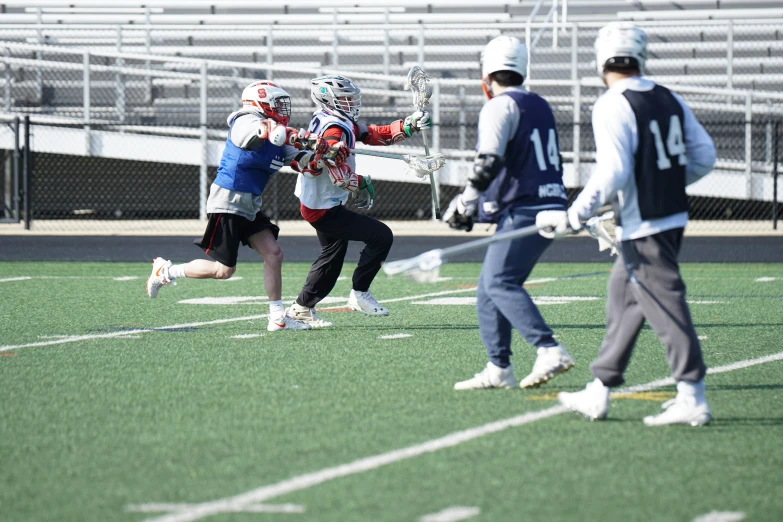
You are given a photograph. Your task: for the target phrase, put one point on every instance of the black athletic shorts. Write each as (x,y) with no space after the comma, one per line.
(225,232)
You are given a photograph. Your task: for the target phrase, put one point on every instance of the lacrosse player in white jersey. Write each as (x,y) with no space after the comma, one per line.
(324,187)
(516,173)
(649,147)
(259,143)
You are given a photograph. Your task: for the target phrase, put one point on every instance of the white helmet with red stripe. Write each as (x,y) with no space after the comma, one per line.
(269,99)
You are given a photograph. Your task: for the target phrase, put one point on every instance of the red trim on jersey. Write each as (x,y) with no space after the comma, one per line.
(217,222)
(312,215)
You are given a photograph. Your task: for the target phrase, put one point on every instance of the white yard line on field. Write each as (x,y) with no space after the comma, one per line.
(193,512)
(125,333)
(452,514)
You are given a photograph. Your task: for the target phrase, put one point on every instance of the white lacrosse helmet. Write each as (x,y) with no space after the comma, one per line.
(618,42)
(337,94)
(503,53)
(269,99)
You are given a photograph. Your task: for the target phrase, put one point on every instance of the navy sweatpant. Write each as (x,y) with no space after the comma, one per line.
(502,302)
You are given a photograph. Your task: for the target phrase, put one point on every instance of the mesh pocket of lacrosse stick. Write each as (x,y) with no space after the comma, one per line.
(424,268)
(603,229)
(423,166)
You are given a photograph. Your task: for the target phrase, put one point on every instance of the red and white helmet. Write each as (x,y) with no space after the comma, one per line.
(270,99)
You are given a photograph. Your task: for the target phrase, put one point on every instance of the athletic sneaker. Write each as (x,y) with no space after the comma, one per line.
(490,377)
(365,302)
(550,363)
(286,323)
(688,407)
(307,315)
(159,276)
(592,402)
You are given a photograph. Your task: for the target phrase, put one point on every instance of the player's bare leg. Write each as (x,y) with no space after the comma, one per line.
(266,245)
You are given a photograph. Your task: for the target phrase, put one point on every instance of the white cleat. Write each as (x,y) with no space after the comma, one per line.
(490,377)
(285,324)
(159,277)
(550,363)
(365,302)
(688,407)
(307,315)
(592,402)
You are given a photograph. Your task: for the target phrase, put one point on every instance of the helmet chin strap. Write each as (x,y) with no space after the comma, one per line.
(486,86)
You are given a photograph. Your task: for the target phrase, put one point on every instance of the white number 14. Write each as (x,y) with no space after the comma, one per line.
(551,149)
(675,144)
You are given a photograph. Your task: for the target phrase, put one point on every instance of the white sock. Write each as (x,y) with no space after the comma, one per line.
(177,271)
(276,310)
(691,389)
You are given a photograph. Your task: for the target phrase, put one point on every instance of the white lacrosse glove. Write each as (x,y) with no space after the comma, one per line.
(417,121)
(364,197)
(557,223)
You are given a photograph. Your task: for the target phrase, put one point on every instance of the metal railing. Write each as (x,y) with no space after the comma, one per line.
(744,123)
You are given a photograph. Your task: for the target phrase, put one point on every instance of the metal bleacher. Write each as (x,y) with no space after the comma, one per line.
(169,68)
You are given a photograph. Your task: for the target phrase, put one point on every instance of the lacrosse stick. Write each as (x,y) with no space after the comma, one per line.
(424,268)
(417,84)
(602,228)
(421,166)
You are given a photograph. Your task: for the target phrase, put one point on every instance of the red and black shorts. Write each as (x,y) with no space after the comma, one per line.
(225,232)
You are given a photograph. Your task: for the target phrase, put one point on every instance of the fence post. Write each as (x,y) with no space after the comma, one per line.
(435,134)
(749,145)
(577,132)
(529,50)
(554,24)
(86,102)
(270,57)
(7,87)
(148,50)
(730,55)
(386,50)
(462,119)
(120,87)
(39,54)
(421,45)
(575,52)
(202,178)
(16,165)
(26,173)
(775,178)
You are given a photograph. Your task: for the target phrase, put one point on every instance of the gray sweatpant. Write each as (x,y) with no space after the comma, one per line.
(646,285)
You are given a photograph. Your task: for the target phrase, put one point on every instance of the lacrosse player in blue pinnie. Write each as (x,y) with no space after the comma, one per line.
(516,174)
(259,143)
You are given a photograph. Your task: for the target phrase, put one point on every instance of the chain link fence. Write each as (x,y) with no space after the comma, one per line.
(122,137)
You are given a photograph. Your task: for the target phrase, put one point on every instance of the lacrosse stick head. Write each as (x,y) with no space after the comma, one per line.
(603,229)
(423,166)
(417,83)
(424,268)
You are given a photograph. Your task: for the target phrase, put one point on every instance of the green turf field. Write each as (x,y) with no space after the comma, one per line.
(118,407)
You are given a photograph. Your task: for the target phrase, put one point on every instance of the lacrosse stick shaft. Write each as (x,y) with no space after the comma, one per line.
(377,154)
(496,238)
(433,186)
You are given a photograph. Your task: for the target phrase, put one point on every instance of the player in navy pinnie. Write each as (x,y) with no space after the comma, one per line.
(516,174)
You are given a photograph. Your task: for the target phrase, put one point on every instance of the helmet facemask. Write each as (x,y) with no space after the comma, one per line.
(268,99)
(338,95)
